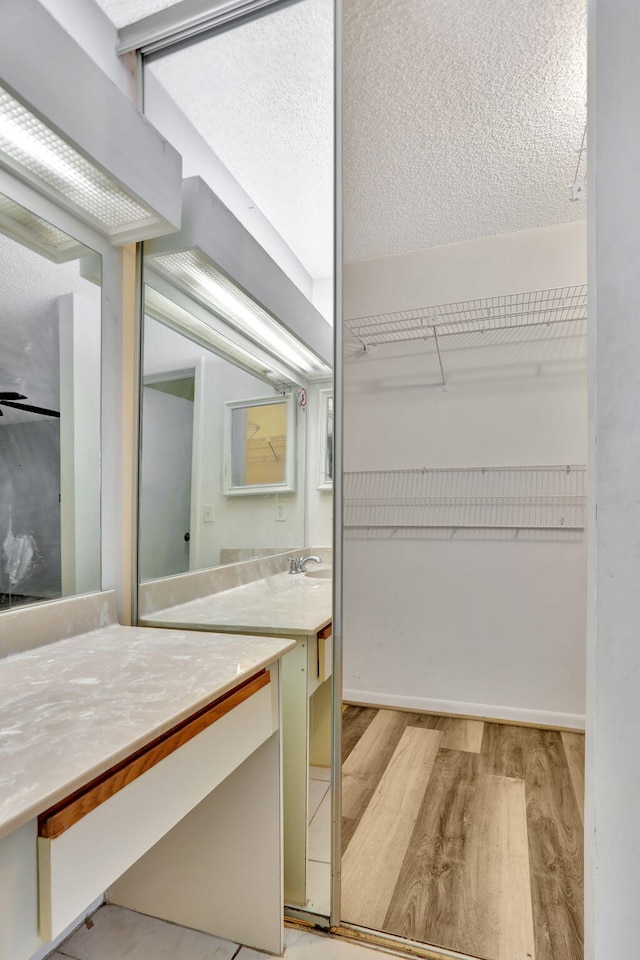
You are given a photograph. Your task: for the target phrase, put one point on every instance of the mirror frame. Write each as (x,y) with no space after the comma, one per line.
(289,483)
(325,395)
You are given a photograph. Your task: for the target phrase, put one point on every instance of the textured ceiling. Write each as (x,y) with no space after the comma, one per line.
(462,119)
(262,96)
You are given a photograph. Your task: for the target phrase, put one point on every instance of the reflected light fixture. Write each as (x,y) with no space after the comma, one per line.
(216,260)
(39,235)
(175,317)
(199,277)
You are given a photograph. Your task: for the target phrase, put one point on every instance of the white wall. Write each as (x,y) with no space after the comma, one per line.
(245,521)
(528,260)
(612,868)
(474,625)
(319,523)
(79,324)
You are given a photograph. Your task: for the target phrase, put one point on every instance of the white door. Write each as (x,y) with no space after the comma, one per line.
(165,483)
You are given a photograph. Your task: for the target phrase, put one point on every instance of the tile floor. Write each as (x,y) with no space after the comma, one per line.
(319,841)
(114,933)
(118,934)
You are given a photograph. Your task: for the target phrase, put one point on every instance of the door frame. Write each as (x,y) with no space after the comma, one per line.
(162,373)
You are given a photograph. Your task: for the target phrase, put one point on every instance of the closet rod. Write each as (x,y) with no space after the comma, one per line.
(508,312)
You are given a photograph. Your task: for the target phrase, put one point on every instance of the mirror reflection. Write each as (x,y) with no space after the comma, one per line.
(259,450)
(253,264)
(49,411)
(212,430)
(235,480)
(326,439)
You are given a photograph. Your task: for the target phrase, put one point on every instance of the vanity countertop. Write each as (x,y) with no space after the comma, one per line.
(278,605)
(72,709)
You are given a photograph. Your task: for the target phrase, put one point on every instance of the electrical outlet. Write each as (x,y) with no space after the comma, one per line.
(207,513)
(281,511)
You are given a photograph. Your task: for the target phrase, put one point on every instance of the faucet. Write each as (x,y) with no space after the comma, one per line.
(299,564)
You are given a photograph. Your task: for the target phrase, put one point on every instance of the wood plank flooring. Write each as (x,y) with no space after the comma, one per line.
(470,839)
(373,859)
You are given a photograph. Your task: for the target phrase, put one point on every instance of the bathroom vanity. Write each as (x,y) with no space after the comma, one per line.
(260,597)
(141,762)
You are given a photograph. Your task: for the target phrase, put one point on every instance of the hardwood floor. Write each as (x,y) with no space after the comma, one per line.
(463,834)
(374,857)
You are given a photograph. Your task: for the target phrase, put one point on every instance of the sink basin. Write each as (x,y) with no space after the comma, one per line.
(325,574)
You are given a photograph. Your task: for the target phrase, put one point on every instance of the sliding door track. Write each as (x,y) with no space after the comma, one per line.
(392,943)
(377,939)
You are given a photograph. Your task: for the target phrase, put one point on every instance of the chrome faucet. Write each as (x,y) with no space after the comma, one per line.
(299,564)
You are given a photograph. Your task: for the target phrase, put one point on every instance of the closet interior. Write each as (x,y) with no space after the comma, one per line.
(465,422)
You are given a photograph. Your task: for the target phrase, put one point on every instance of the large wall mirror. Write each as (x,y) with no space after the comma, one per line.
(237,417)
(49,411)
(216,422)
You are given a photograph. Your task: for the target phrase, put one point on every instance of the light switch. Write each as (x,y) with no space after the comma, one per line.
(207,513)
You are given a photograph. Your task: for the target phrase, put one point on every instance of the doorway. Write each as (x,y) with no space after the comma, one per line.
(465,427)
(166,473)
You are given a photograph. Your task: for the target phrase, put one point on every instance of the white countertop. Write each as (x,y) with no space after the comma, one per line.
(72,709)
(280,605)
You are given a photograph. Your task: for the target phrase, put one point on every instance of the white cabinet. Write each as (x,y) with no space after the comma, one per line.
(306,737)
(88,856)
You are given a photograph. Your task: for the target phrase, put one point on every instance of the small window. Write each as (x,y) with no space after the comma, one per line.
(259,454)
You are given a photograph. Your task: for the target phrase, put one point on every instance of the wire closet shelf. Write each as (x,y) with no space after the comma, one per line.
(540,308)
(499,498)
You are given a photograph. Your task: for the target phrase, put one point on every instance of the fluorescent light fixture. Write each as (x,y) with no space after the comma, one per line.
(198,275)
(218,263)
(39,235)
(161,308)
(37,154)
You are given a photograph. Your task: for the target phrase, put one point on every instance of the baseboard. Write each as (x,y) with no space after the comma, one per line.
(458,708)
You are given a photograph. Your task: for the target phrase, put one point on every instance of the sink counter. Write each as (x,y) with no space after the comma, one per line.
(73,708)
(293,605)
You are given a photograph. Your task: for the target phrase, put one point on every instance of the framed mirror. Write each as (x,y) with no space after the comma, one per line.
(259,454)
(326,434)
(50,321)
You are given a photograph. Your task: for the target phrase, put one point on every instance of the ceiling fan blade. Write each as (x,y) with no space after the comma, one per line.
(30,408)
(11,396)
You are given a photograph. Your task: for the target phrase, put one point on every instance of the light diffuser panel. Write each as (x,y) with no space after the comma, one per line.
(29,146)
(199,276)
(38,234)
(182,321)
